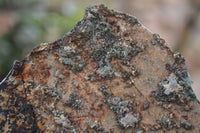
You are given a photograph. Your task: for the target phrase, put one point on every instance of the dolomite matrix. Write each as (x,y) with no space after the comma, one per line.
(109,74)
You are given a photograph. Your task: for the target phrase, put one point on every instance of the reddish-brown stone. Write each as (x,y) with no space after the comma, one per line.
(109,74)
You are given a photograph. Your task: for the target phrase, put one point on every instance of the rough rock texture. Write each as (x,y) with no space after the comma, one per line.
(109,74)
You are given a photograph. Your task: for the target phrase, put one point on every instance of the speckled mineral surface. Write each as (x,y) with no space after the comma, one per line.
(108,74)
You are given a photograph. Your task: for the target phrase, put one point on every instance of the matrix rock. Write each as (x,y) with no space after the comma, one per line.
(109,74)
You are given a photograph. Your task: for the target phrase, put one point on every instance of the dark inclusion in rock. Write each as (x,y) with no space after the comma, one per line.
(73,101)
(104,89)
(124,112)
(182,75)
(185,124)
(176,88)
(70,56)
(96,127)
(170,91)
(110,46)
(167,122)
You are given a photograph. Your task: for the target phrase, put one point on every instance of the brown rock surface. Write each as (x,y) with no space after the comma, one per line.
(109,74)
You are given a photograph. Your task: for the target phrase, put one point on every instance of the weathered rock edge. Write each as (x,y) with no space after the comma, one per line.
(108,74)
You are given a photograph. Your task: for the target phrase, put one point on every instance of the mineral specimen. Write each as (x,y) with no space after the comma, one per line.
(108,74)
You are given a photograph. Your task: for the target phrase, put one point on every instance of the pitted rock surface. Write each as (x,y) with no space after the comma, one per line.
(108,74)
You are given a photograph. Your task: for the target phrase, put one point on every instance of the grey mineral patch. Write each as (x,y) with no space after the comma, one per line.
(134,21)
(185,124)
(183,77)
(124,112)
(73,101)
(104,89)
(156,37)
(52,92)
(145,105)
(129,120)
(96,127)
(111,46)
(126,75)
(67,50)
(70,56)
(171,85)
(170,90)
(119,106)
(106,71)
(167,122)
(67,61)
(61,120)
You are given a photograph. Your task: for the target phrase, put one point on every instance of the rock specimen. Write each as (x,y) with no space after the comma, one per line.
(109,74)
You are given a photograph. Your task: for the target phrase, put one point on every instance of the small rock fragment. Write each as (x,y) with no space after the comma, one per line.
(167,122)
(96,126)
(185,124)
